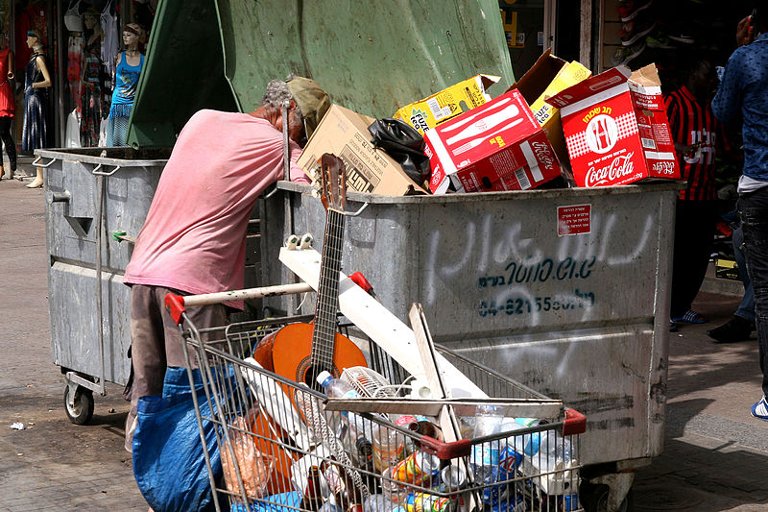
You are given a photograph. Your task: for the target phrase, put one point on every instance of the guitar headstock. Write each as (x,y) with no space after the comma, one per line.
(333,182)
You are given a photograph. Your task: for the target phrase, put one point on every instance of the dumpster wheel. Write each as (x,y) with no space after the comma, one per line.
(594,498)
(78,404)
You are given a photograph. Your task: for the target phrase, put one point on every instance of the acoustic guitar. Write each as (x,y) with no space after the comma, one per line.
(301,351)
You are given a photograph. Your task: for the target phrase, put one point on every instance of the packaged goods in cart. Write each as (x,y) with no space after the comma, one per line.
(240,457)
(388,448)
(448,103)
(424,502)
(418,468)
(616,128)
(497,146)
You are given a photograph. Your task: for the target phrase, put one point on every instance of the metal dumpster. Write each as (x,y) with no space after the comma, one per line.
(96,201)
(563,290)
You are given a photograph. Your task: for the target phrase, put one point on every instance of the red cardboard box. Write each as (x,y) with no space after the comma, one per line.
(496,146)
(616,128)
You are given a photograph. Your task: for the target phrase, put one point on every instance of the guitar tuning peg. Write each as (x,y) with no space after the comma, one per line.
(315,193)
(306,241)
(292,242)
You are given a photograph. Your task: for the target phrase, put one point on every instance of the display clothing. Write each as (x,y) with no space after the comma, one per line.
(75,68)
(743,97)
(123,96)
(111,39)
(7,110)
(34,134)
(92,92)
(33,17)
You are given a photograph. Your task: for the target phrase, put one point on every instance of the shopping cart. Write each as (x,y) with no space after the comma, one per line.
(282,446)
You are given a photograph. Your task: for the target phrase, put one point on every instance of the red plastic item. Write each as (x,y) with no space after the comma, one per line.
(359,279)
(446,451)
(175,306)
(575,422)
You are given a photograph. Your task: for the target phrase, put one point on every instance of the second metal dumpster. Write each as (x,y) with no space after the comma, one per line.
(563,290)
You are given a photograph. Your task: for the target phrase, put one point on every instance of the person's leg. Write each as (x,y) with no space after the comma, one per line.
(147,352)
(746,308)
(753,210)
(694,231)
(5,135)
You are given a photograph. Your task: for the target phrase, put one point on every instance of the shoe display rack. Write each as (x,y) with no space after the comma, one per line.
(664,32)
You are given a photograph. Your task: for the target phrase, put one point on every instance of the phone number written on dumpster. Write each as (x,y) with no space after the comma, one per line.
(527,305)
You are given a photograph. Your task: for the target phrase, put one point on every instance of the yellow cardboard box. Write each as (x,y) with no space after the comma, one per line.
(448,103)
(344,133)
(548,76)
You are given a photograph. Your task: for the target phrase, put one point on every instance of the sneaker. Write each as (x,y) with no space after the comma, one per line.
(673,327)
(633,31)
(659,41)
(760,409)
(683,39)
(629,9)
(689,317)
(624,54)
(735,329)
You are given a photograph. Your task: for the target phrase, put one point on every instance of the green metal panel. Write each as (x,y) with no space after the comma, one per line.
(183,72)
(371,56)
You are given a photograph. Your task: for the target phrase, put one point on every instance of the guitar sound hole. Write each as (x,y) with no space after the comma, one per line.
(310,377)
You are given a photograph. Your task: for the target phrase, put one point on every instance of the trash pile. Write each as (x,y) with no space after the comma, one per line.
(557,126)
(338,460)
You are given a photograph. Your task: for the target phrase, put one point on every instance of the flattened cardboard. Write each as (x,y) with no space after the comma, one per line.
(344,133)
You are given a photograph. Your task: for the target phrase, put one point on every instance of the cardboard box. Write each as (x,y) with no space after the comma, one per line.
(448,103)
(616,128)
(548,76)
(345,134)
(497,146)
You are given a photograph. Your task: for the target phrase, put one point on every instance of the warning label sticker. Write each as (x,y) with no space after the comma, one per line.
(574,220)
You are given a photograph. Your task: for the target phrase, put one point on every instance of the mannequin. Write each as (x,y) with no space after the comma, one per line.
(37,81)
(7,105)
(92,89)
(128,65)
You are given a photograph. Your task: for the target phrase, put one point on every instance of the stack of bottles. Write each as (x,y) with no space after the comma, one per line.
(390,472)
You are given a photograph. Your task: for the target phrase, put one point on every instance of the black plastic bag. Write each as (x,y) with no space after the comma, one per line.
(404,144)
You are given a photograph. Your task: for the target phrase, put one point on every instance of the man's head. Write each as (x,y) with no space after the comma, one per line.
(307,103)
(702,79)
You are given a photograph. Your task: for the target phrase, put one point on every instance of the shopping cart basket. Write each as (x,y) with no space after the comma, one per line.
(284,446)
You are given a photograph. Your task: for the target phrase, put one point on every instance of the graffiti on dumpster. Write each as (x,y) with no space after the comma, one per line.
(502,258)
(547,269)
(525,305)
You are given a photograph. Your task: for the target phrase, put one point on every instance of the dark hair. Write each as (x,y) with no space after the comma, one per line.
(759,18)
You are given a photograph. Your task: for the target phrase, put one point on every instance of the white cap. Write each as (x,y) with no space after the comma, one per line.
(323,376)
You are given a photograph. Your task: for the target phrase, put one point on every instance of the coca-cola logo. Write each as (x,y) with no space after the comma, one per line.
(543,154)
(601,134)
(619,168)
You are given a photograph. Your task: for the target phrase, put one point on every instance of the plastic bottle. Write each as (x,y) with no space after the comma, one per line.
(485,456)
(353,426)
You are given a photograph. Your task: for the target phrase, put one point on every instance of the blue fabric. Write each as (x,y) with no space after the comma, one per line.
(743,95)
(746,308)
(34,133)
(168,458)
(286,502)
(126,81)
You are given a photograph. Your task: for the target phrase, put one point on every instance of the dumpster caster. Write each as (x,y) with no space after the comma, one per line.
(595,498)
(78,403)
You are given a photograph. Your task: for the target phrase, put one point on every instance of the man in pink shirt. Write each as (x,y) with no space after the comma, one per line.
(193,240)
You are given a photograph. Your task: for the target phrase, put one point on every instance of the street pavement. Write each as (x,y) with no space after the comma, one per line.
(715,457)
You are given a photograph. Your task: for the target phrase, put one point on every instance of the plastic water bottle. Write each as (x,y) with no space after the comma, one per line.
(336,388)
(355,426)
(485,456)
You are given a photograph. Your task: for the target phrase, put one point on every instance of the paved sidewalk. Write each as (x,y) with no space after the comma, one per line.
(715,459)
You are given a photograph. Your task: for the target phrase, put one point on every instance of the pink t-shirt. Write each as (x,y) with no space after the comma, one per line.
(193,239)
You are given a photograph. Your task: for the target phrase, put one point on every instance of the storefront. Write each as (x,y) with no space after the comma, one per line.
(81,39)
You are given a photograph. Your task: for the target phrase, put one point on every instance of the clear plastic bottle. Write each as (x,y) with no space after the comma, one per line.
(354,426)
(485,456)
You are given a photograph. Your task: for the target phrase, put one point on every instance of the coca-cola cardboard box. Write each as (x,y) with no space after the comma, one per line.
(497,146)
(616,128)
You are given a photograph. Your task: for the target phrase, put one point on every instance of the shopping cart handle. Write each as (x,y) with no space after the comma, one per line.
(575,422)
(175,306)
(443,450)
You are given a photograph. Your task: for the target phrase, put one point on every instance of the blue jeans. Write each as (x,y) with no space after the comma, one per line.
(753,210)
(746,309)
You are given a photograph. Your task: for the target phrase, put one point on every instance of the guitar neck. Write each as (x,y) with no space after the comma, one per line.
(324,333)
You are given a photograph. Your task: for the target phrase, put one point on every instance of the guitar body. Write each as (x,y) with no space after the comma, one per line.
(288,353)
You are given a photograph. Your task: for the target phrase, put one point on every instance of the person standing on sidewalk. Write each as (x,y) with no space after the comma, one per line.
(694,130)
(743,97)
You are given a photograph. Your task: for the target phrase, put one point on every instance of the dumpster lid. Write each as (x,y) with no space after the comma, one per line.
(372,60)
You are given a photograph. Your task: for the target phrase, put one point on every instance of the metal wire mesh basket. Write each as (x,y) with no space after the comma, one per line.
(281,445)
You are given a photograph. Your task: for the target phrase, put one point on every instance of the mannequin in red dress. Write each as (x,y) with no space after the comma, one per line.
(7,106)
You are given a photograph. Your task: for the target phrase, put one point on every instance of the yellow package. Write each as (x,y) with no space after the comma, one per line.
(448,103)
(570,74)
